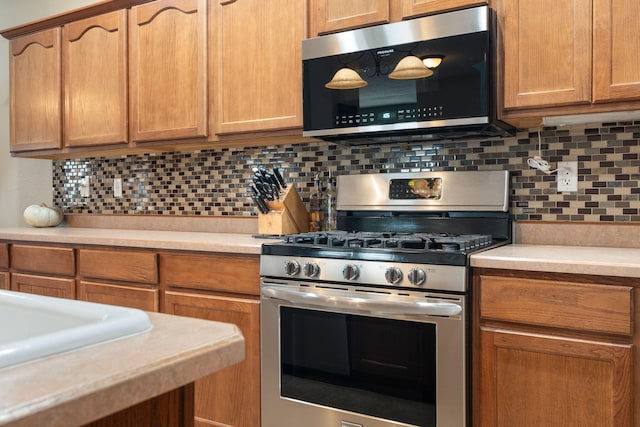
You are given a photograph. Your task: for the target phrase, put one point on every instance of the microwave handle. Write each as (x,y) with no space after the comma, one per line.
(350,300)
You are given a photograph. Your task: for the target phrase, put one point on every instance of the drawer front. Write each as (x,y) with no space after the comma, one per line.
(218,272)
(118,265)
(47,286)
(4,255)
(577,306)
(125,296)
(43,259)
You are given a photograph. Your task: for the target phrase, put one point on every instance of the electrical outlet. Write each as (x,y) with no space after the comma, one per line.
(117,187)
(567,176)
(85,187)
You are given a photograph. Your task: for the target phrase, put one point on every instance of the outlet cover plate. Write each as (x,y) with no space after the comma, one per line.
(567,177)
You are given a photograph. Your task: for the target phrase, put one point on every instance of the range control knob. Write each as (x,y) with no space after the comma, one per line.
(417,276)
(310,269)
(393,275)
(291,268)
(350,272)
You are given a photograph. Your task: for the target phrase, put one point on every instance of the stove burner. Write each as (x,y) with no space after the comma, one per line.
(448,242)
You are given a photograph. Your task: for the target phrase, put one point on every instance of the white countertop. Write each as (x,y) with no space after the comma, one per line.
(151,239)
(620,262)
(80,386)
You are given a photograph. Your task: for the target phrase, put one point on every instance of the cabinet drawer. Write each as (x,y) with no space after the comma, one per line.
(4,255)
(577,306)
(43,259)
(47,286)
(219,272)
(125,296)
(119,265)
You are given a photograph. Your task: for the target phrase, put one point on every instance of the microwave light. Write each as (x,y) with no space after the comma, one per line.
(346,78)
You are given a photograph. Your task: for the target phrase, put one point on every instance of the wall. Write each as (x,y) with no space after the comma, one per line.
(22,181)
(214,182)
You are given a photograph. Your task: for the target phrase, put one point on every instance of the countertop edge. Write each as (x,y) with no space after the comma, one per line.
(599,261)
(142,239)
(84,401)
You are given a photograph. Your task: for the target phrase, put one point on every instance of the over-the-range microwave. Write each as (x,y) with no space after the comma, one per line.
(429,78)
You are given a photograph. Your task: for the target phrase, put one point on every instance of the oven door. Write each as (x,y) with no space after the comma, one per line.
(348,357)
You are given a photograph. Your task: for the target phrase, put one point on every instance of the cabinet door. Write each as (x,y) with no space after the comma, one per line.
(4,280)
(533,380)
(329,16)
(230,397)
(49,260)
(122,295)
(616,71)
(40,285)
(94,53)
(412,8)
(168,70)
(259,64)
(35,79)
(547,56)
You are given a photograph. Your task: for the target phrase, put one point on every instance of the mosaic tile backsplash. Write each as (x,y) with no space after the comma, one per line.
(214,182)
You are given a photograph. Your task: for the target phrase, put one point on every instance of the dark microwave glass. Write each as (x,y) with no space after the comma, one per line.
(380,367)
(458,89)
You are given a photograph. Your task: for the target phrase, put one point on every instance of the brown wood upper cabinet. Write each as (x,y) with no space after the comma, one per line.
(548,56)
(329,16)
(36,125)
(257,64)
(94,57)
(168,70)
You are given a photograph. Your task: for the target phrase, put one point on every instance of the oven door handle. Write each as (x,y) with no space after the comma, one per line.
(389,304)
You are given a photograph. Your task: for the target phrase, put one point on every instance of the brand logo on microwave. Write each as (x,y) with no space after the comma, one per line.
(385,52)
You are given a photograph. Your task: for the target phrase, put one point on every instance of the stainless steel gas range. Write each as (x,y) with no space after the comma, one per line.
(368,326)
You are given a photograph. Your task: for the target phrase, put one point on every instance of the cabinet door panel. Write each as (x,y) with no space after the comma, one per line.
(168,70)
(616,71)
(125,296)
(547,56)
(36,121)
(259,69)
(4,281)
(94,54)
(48,286)
(328,16)
(528,380)
(230,397)
(413,8)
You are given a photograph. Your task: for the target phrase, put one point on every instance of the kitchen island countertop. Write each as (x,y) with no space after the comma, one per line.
(77,387)
(151,239)
(601,261)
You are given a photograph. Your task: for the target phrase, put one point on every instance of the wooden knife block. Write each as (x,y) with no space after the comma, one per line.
(288,215)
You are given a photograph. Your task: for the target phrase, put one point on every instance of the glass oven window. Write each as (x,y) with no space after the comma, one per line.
(380,367)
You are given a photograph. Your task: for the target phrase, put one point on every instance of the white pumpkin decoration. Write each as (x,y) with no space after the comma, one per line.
(43,216)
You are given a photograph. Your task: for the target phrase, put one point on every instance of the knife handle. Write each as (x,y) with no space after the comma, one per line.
(279,177)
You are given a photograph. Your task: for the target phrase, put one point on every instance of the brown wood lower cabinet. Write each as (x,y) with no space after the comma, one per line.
(41,285)
(553,350)
(230,397)
(216,286)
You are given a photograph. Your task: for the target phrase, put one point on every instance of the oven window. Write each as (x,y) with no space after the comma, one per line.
(379,367)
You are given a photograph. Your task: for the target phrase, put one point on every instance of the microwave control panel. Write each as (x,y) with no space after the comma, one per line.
(375,117)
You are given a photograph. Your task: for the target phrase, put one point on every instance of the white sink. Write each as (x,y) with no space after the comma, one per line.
(34,326)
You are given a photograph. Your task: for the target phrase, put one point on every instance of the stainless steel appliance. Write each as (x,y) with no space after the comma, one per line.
(368,326)
(351,90)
